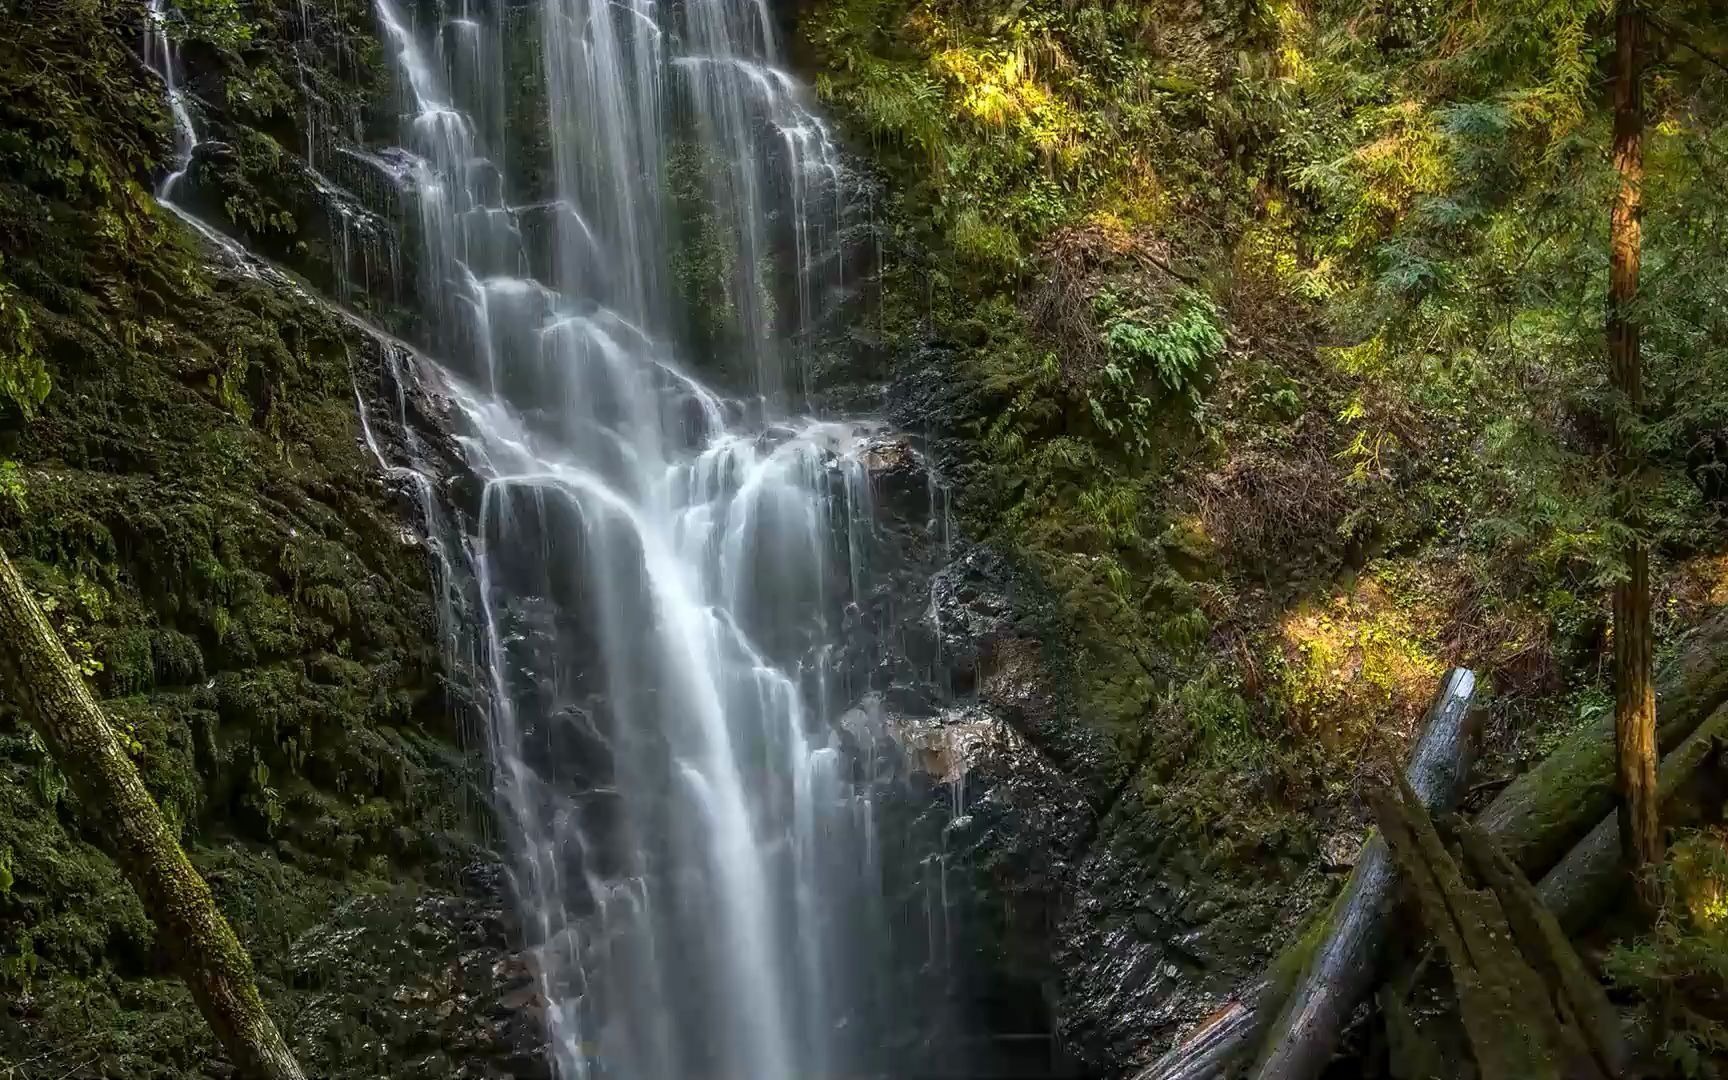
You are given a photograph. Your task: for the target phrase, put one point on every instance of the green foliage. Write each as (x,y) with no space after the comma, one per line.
(192,507)
(983,242)
(704,256)
(13,489)
(24,379)
(1012,119)
(1464,206)
(259,193)
(1680,969)
(1174,351)
(260,93)
(222,23)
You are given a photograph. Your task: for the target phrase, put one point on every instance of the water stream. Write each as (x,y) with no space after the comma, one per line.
(663,570)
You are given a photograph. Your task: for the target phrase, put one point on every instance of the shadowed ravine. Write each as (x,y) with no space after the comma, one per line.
(662,571)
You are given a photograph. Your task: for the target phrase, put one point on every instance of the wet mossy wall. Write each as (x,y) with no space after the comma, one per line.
(192,503)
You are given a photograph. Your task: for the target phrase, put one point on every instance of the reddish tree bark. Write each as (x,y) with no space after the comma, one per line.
(1634,687)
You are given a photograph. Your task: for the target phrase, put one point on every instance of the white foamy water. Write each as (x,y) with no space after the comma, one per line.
(661,570)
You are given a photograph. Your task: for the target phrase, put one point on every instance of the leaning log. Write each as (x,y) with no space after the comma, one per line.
(1580,1001)
(1336,966)
(1222,1038)
(1546,811)
(1344,969)
(1592,874)
(1522,1025)
(42,679)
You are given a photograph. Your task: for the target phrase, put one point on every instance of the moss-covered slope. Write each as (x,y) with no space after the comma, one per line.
(191,501)
(1265,339)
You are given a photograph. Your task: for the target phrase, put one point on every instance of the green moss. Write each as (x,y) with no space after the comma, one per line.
(704,256)
(192,504)
(1294,959)
(1679,970)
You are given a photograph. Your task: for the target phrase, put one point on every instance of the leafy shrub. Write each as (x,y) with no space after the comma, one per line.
(23,377)
(1681,967)
(1168,358)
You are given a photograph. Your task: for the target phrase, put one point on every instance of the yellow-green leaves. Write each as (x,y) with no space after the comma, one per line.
(24,379)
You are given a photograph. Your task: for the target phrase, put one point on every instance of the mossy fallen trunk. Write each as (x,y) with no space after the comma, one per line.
(1529,1007)
(1549,809)
(1592,873)
(56,702)
(1543,821)
(1347,964)
(1580,1001)
(1312,989)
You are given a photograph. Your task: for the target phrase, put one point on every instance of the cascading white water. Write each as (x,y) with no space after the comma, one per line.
(662,572)
(159,55)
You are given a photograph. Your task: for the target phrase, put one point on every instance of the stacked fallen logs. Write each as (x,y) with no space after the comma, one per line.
(1556,820)
(1345,964)
(1530,1008)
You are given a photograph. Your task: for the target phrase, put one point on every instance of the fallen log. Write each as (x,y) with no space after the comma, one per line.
(1347,964)
(42,679)
(1336,966)
(1536,820)
(1523,1023)
(1220,1040)
(1592,874)
(1582,1004)
(1545,812)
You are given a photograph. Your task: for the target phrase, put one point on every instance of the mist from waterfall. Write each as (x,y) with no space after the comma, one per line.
(663,571)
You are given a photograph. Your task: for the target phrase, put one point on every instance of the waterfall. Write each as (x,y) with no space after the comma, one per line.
(663,570)
(656,578)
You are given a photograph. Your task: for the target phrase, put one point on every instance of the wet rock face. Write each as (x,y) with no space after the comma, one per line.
(979,823)
(420,986)
(1080,929)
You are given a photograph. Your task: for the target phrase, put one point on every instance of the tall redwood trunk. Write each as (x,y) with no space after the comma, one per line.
(1634,690)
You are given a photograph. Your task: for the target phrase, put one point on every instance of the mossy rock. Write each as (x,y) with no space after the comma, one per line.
(193,503)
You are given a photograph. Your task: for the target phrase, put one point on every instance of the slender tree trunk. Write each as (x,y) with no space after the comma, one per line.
(1634,689)
(58,704)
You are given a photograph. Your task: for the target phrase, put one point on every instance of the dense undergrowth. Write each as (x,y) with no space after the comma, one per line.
(183,486)
(1282,326)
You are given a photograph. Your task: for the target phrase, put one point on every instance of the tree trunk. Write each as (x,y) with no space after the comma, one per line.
(1524,1021)
(57,703)
(1580,1001)
(1591,875)
(1634,690)
(1548,810)
(1314,985)
(1347,964)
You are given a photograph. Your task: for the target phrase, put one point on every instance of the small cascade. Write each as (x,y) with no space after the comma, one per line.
(161,56)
